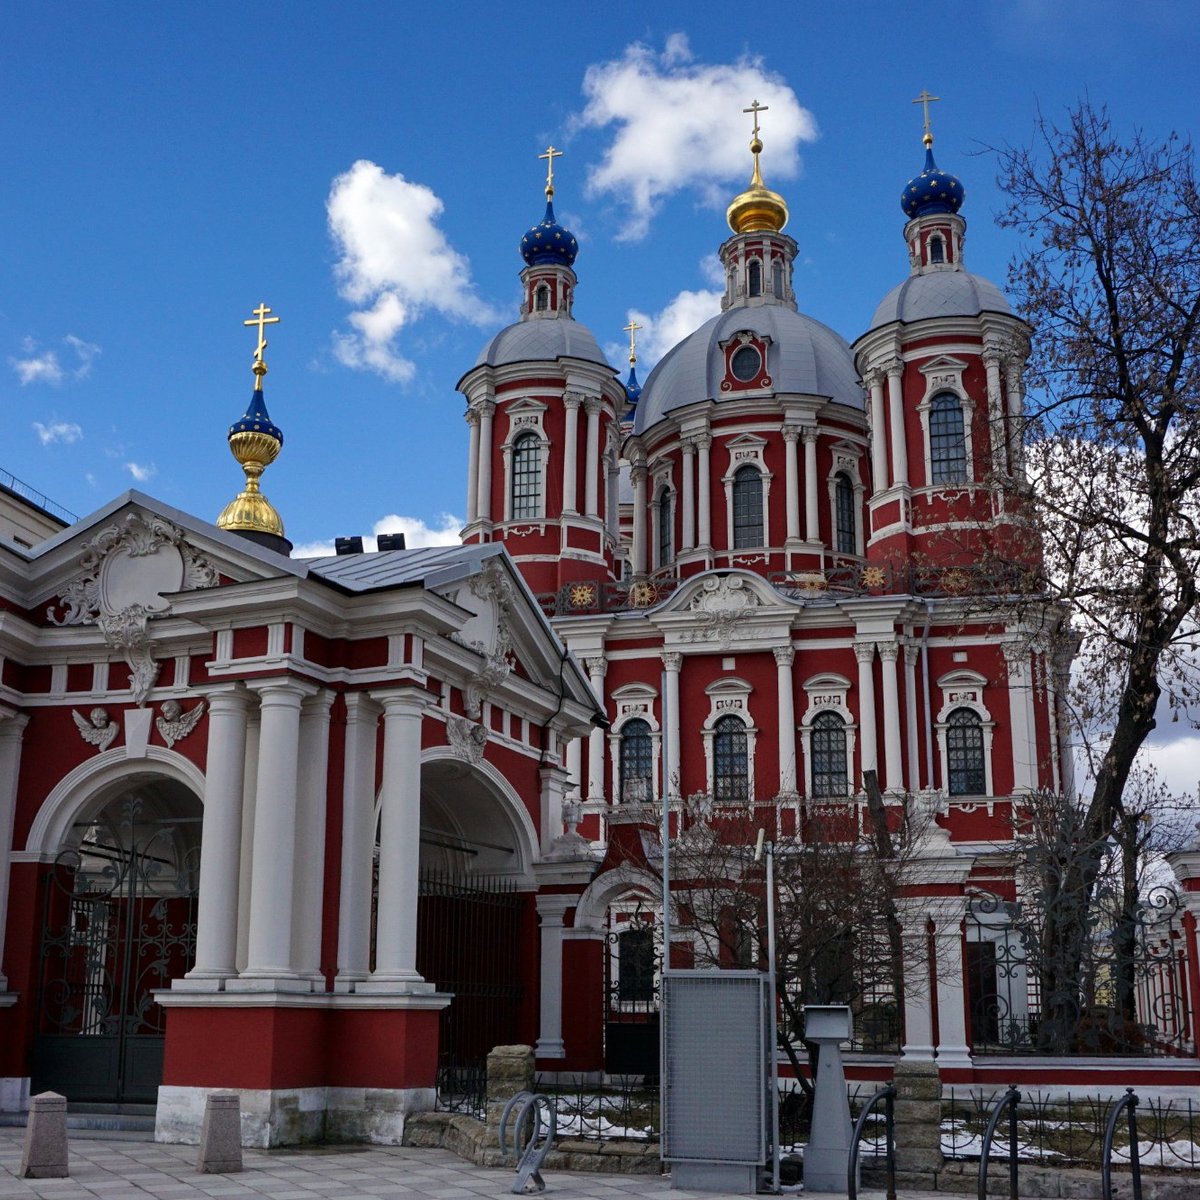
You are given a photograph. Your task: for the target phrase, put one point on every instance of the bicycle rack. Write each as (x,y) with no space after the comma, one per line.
(1009,1101)
(538,1137)
(1128,1101)
(888,1095)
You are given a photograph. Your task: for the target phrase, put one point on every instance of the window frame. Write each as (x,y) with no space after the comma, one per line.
(942,440)
(526,465)
(746,472)
(646,752)
(828,719)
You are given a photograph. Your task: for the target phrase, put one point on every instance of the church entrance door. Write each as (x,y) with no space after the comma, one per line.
(118,921)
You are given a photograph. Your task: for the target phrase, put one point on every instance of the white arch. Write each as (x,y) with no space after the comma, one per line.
(86,781)
(591,912)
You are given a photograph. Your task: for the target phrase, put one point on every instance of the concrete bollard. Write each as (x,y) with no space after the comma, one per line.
(221,1135)
(45,1153)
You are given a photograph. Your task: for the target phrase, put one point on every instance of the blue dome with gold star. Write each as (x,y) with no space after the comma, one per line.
(256,419)
(933,191)
(633,389)
(548,242)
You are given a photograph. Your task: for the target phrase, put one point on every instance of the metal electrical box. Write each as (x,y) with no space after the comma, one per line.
(717,1042)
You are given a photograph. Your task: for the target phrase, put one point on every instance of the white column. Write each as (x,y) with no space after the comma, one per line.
(12,729)
(879,475)
(554,787)
(947,913)
(911,651)
(638,475)
(612,497)
(704,486)
(895,372)
(221,835)
(575,764)
(591,468)
(1016,412)
(784,656)
(893,769)
(473,467)
(571,402)
(596,668)
(791,435)
(812,527)
(865,653)
(1020,717)
(483,503)
(310,836)
(269,949)
(358,842)
(997,430)
(918,1003)
(551,910)
(672,662)
(399,843)
(688,449)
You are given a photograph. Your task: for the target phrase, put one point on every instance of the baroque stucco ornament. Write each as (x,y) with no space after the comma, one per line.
(494,587)
(123,572)
(466,739)
(720,604)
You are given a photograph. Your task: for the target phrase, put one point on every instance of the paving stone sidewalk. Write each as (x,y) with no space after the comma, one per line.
(143,1169)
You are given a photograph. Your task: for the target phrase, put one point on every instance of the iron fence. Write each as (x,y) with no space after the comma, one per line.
(462,1088)
(593,1112)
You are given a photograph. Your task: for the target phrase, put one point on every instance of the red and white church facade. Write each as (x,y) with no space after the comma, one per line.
(297,828)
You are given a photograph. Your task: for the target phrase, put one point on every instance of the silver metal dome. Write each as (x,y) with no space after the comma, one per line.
(940,293)
(541,341)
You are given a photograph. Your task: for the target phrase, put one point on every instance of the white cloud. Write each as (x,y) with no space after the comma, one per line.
(394,264)
(443,532)
(660,331)
(141,471)
(47,367)
(58,431)
(679,124)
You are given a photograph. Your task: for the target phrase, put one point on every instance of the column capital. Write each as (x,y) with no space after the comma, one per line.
(596,667)
(911,652)
(810,434)
(992,355)
(784,655)
(406,700)
(471,416)
(671,660)
(687,445)
(361,707)
(703,441)
(1016,654)
(552,907)
(572,399)
(638,473)
(282,689)
(319,703)
(227,698)
(12,723)
(864,651)
(888,651)
(592,405)
(873,377)
(894,367)
(485,408)
(791,433)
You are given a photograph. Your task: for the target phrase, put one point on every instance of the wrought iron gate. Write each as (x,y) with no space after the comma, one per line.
(118,921)
(632,965)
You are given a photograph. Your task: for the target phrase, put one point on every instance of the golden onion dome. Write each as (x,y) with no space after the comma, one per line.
(758,208)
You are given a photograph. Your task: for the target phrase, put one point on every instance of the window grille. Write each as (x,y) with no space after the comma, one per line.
(847,525)
(747,508)
(526,477)
(754,278)
(937,250)
(665,523)
(635,965)
(830,774)
(947,440)
(542,299)
(964,754)
(637,762)
(731,761)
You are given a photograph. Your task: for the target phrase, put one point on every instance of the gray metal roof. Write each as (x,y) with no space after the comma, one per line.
(804,357)
(543,340)
(940,293)
(430,565)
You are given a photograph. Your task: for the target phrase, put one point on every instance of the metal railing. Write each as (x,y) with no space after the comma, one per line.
(1009,1102)
(1127,1102)
(888,1096)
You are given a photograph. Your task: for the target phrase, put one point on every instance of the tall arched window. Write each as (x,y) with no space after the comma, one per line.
(541,298)
(731,761)
(777,279)
(526,477)
(947,440)
(847,524)
(666,521)
(966,770)
(747,508)
(937,250)
(754,278)
(636,763)
(830,768)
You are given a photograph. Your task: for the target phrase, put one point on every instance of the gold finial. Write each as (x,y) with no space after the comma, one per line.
(757,208)
(631,329)
(261,319)
(550,155)
(925,99)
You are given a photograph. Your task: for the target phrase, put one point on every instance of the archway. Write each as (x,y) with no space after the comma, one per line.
(118,922)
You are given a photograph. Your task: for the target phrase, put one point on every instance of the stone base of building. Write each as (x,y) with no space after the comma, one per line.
(14,1093)
(296,1116)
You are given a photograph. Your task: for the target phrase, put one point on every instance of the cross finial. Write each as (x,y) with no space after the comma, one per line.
(756,108)
(631,329)
(925,99)
(261,319)
(550,155)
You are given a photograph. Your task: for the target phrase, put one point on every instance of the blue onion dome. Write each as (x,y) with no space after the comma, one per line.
(633,389)
(548,242)
(933,191)
(256,419)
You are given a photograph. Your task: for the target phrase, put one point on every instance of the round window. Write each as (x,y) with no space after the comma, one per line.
(746,363)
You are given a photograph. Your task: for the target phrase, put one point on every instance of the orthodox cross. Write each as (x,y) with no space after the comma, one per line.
(925,99)
(756,108)
(550,155)
(261,319)
(631,329)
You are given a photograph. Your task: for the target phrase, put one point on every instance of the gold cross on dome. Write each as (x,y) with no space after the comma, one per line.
(631,329)
(756,108)
(261,319)
(550,155)
(925,100)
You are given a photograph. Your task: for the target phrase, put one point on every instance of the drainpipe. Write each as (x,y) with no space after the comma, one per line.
(928,778)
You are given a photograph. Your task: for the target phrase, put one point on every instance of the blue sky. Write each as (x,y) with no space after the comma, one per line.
(170,166)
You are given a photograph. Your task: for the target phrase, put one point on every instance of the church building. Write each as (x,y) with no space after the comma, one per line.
(309,829)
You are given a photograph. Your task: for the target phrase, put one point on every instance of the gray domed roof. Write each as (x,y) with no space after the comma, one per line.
(804,356)
(940,293)
(541,341)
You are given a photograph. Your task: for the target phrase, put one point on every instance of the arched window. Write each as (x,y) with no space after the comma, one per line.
(747,508)
(635,964)
(937,250)
(830,769)
(967,774)
(847,525)
(731,761)
(541,298)
(947,440)
(637,763)
(526,477)
(665,527)
(754,278)
(777,279)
